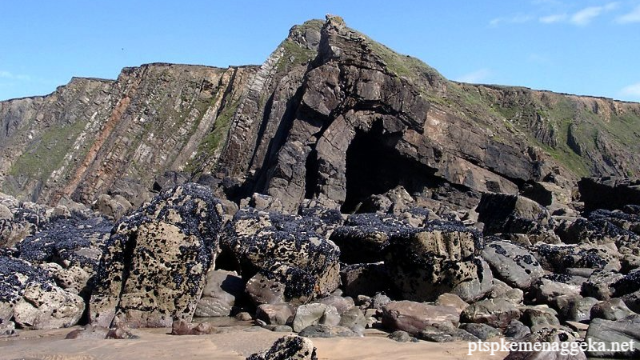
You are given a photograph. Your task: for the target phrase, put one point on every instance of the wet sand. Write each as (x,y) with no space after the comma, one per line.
(233,344)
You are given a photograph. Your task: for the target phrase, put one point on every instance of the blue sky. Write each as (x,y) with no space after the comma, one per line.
(587,47)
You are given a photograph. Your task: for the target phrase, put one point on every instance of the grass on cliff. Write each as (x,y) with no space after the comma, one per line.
(47,153)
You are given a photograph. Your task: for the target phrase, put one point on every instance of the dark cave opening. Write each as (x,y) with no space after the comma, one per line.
(374,166)
(311,174)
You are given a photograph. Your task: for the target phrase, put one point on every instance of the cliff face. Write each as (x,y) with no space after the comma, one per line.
(94,136)
(331,116)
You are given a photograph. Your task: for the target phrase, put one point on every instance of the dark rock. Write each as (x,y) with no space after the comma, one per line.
(326,331)
(288,347)
(540,318)
(155,263)
(512,264)
(413,317)
(365,279)
(481,331)
(608,193)
(283,249)
(443,258)
(579,309)
(401,336)
(445,332)
(516,330)
(363,237)
(503,213)
(559,258)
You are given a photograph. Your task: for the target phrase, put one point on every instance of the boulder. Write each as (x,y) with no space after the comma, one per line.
(494,312)
(445,332)
(545,290)
(615,333)
(512,264)
(612,309)
(153,269)
(289,347)
(599,284)
(222,289)
(504,213)
(443,258)
(566,345)
(414,317)
(481,331)
(313,314)
(276,314)
(113,207)
(559,258)
(283,249)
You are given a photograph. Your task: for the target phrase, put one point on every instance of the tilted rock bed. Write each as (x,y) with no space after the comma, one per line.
(438,281)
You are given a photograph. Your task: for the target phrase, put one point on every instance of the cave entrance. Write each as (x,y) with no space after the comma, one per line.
(374,166)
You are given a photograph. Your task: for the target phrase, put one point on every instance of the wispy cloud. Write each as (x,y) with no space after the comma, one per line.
(539,59)
(586,15)
(515,19)
(631,17)
(632,91)
(475,76)
(11,76)
(555,18)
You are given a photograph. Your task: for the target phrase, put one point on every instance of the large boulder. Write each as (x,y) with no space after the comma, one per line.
(154,265)
(414,317)
(513,264)
(282,249)
(503,213)
(558,258)
(444,257)
(363,237)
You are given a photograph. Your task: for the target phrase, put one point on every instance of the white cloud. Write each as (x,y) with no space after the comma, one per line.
(515,19)
(586,15)
(631,17)
(555,18)
(475,76)
(9,75)
(632,91)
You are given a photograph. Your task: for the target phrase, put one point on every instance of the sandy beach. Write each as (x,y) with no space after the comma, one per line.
(233,343)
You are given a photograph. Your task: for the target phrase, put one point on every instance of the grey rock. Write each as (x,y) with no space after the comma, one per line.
(314,314)
(365,279)
(612,309)
(276,314)
(327,331)
(481,331)
(413,317)
(222,289)
(516,330)
(512,264)
(620,331)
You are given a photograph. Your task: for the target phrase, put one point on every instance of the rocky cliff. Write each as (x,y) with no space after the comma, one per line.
(331,116)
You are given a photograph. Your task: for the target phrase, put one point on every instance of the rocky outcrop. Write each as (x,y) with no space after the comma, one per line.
(154,265)
(280,254)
